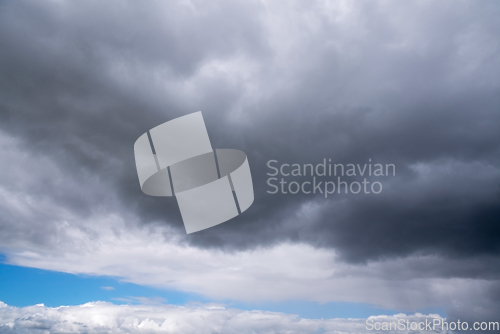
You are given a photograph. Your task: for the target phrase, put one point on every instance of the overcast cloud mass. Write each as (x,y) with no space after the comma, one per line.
(415,84)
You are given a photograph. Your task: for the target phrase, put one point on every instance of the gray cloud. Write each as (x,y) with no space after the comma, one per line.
(413,84)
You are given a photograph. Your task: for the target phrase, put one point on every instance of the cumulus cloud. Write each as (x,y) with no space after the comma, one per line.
(101,317)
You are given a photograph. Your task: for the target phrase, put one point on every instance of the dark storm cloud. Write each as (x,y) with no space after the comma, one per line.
(423,92)
(408,84)
(62,97)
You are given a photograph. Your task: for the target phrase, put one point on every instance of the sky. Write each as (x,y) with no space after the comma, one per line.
(414,84)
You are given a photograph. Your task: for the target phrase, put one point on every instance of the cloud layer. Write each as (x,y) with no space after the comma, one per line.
(100,317)
(414,84)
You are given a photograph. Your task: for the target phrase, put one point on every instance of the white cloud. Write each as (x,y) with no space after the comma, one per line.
(101,317)
(282,272)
